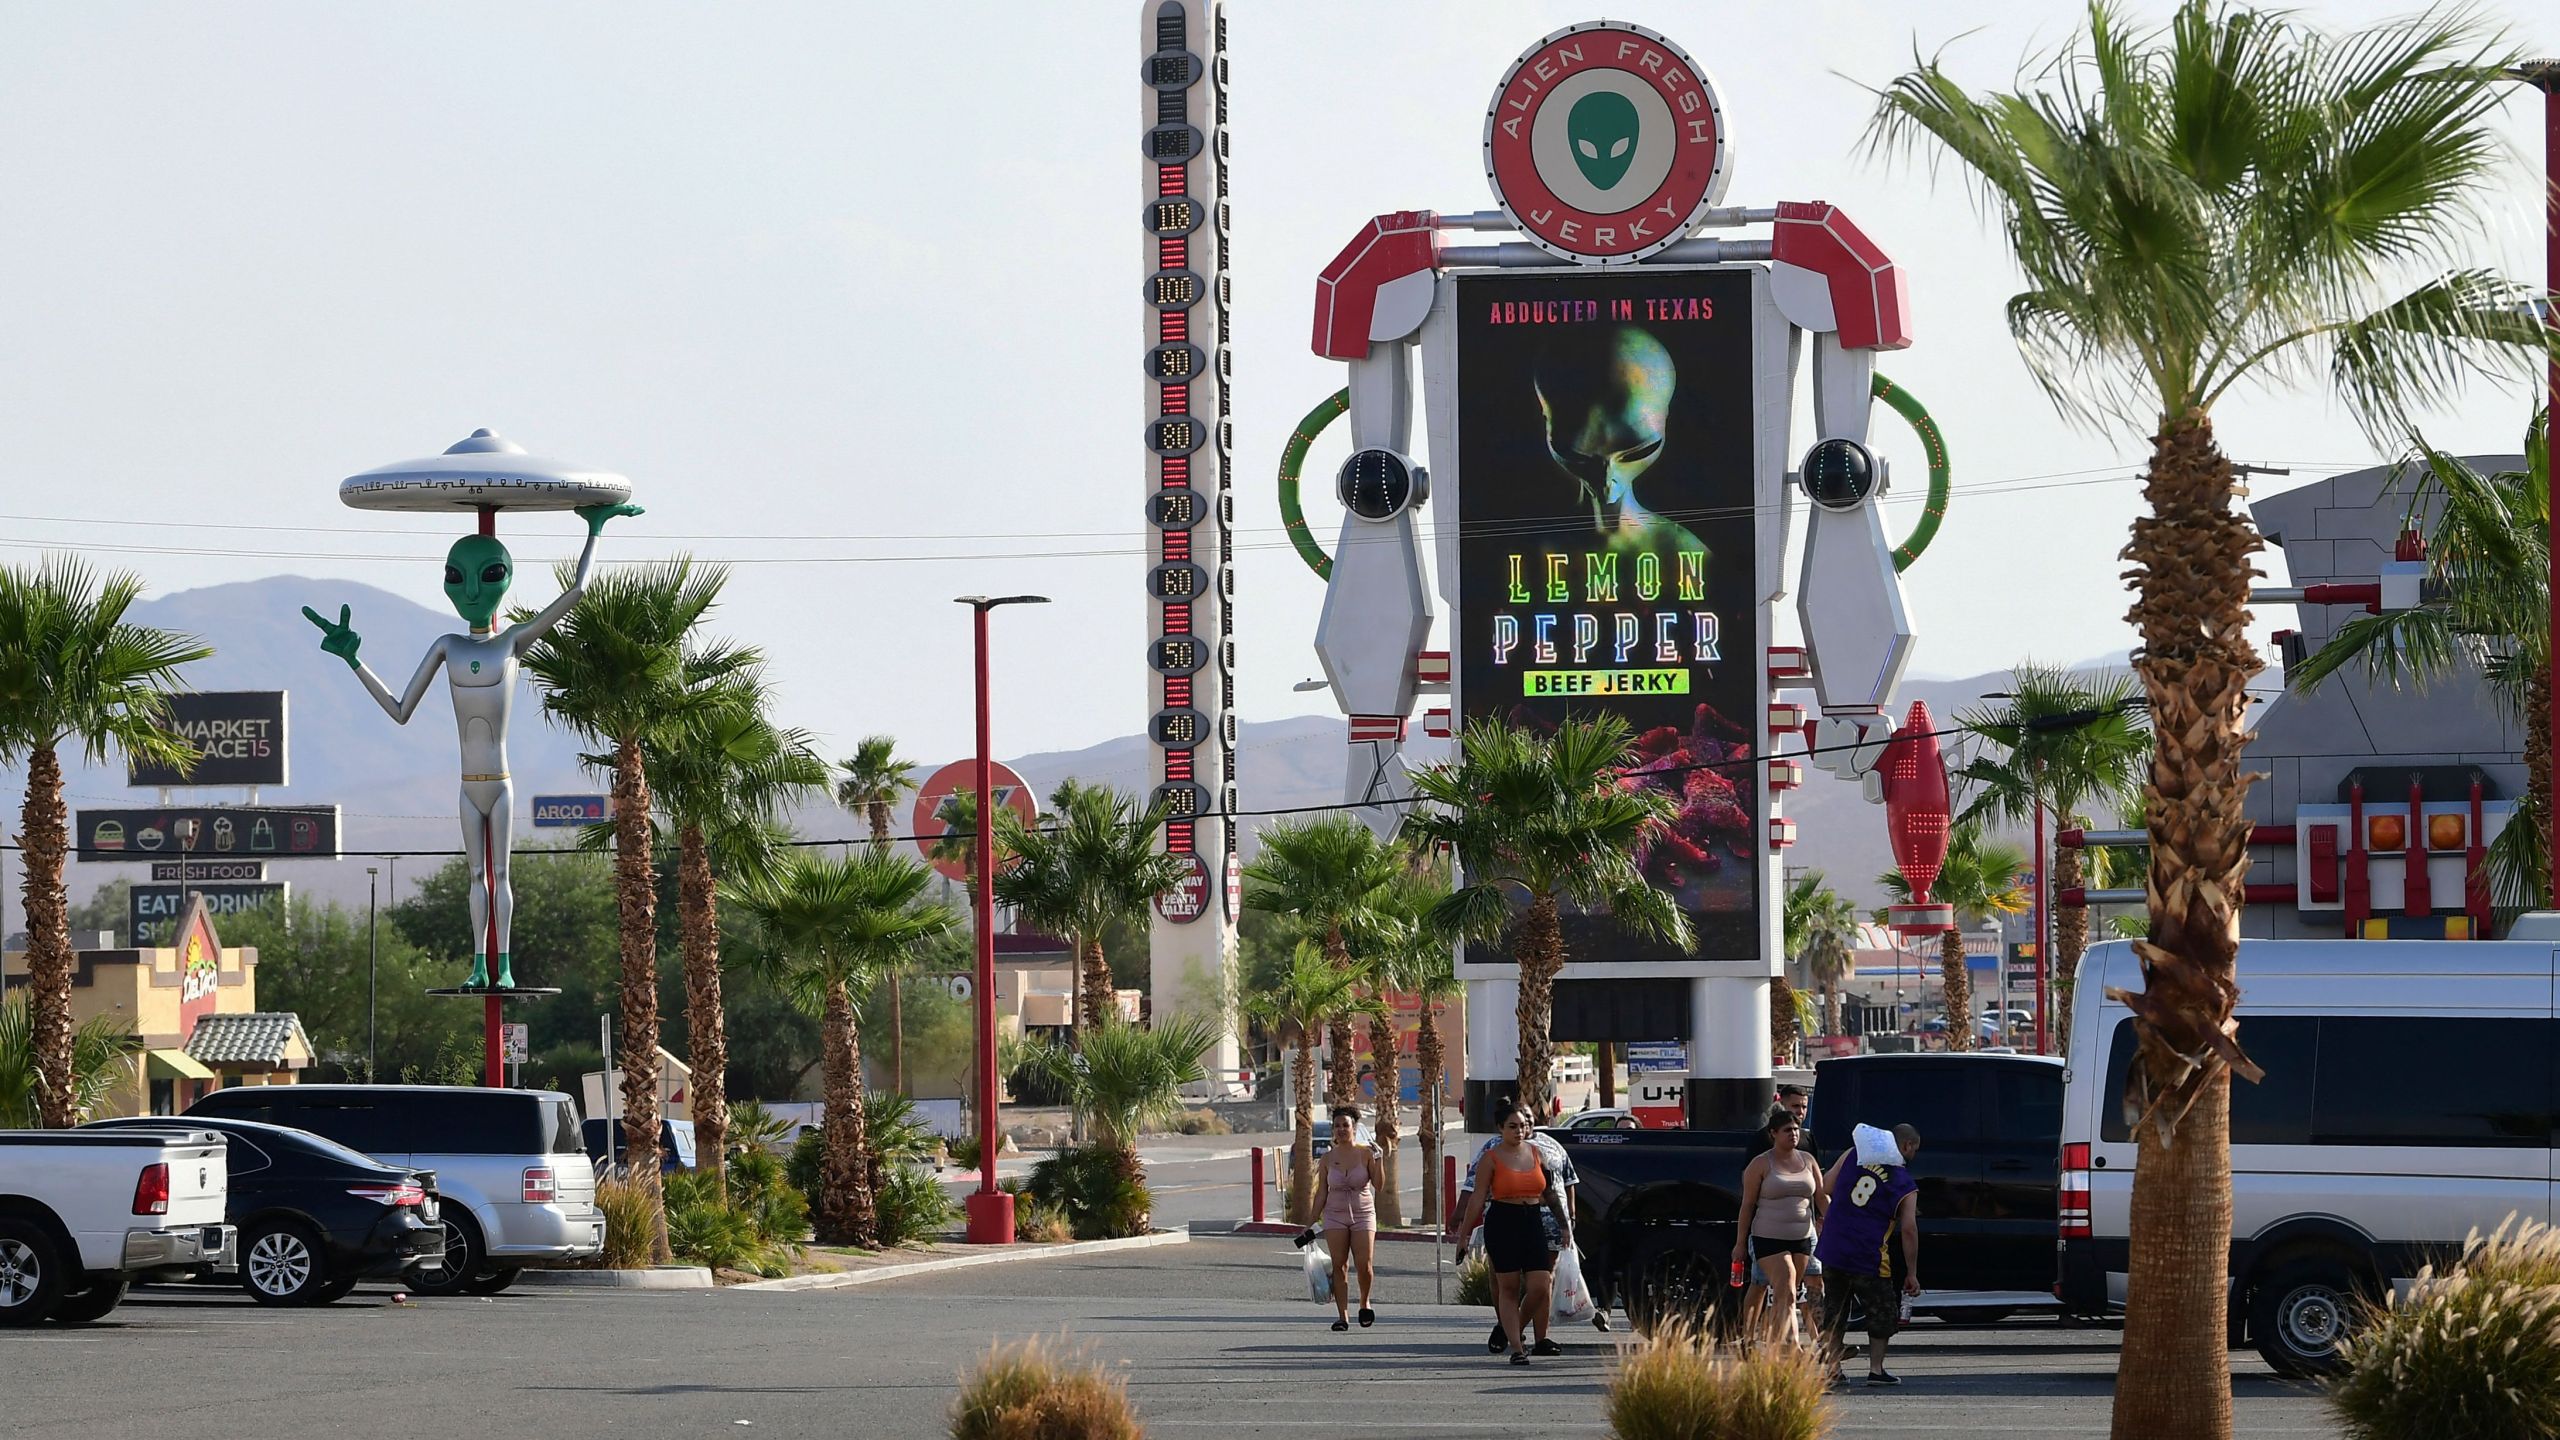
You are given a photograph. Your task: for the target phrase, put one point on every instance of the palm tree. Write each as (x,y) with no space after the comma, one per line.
(723,779)
(1301,1001)
(1979,877)
(872,781)
(2069,746)
(1542,819)
(2227,200)
(1094,863)
(2487,604)
(1422,964)
(1121,1078)
(838,923)
(622,670)
(102,1055)
(1820,930)
(1329,879)
(73,670)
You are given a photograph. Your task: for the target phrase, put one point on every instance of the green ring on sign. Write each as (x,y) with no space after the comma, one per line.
(1292,456)
(1933,443)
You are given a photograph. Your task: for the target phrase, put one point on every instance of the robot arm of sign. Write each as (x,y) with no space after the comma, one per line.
(540,625)
(1370,302)
(1832,282)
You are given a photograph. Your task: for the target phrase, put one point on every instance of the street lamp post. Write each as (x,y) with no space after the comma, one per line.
(2000,963)
(372,972)
(990,1208)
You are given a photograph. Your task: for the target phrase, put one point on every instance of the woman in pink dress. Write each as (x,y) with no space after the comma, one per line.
(1350,1173)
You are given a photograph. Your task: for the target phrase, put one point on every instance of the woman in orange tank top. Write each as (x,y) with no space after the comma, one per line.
(1512,1185)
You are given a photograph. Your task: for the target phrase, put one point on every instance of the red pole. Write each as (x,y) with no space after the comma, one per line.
(2547,77)
(1449,1194)
(990,1209)
(2041,1047)
(1259,1210)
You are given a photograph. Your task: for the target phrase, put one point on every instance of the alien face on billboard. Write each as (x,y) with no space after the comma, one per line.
(1602,126)
(477,571)
(1606,391)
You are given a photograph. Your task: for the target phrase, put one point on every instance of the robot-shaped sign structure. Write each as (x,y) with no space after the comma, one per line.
(485,473)
(1583,391)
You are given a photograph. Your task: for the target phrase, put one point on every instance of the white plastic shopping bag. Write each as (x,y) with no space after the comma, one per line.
(1875,1147)
(1570,1301)
(1319,1276)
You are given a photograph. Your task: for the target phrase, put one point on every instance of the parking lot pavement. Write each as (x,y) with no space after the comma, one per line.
(1216,1337)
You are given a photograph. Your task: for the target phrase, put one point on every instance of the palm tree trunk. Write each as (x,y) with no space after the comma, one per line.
(1433,1060)
(843,1209)
(1959,986)
(1540,946)
(1342,1060)
(877,812)
(1094,997)
(636,892)
(1830,1009)
(1302,1132)
(1604,1063)
(706,1025)
(2191,568)
(48,939)
(1386,1065)
(1782,1021)
(2070,942)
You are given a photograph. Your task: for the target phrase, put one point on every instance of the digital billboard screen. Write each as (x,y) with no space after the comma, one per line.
(1605,556)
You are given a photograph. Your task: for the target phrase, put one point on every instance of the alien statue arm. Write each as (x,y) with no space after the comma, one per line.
(341,640)
(540,625)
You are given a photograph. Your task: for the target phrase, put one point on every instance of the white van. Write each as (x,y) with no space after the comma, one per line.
(2408,1101)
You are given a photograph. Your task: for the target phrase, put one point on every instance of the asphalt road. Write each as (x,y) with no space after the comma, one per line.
(1215,1337)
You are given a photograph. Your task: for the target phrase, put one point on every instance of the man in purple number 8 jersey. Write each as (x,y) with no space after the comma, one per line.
(1870,1205)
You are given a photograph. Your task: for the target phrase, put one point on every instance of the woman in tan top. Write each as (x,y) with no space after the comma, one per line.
(1782,1201)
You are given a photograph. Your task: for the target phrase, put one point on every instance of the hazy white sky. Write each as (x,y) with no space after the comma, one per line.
(849,291)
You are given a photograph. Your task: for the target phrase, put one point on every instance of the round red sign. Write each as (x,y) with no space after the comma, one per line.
(1188,900)
(1605,143)
(935,813)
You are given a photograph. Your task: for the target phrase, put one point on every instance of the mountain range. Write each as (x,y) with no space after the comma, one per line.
(396,787)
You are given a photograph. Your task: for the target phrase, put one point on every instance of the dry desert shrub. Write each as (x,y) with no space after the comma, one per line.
(1033,1391)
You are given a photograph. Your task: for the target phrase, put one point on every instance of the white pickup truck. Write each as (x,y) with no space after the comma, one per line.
(85,1213)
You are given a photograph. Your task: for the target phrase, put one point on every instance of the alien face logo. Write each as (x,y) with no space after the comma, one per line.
(1603,126)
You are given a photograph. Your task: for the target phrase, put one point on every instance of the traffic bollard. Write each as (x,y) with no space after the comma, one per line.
(1259,1209)
(1449,1194)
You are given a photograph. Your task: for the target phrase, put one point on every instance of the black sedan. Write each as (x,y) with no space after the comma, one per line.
(314,1216)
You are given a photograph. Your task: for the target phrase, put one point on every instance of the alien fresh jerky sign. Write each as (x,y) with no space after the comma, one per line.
(1604,143)
(1605,555)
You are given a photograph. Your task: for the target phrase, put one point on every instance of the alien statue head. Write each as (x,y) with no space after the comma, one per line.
(1606,391)
(477,571)
(1602,127)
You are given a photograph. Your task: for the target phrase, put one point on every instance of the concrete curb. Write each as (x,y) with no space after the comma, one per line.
(663,1277)
(843,1279)
(1281,1227)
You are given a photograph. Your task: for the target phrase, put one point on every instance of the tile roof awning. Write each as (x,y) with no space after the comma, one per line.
(267,1040)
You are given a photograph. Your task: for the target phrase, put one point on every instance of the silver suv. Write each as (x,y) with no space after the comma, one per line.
(516,1184)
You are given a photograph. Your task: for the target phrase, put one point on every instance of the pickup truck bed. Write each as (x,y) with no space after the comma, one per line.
(85,1213)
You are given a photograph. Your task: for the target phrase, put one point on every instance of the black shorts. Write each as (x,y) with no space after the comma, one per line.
(1879,1296)
(1514,1242)
(1763,1245)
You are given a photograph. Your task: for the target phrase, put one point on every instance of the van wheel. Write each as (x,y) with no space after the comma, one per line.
(461,1257)
(493,1280)
(31,1273)
(2300,1312)
(1672,1283)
